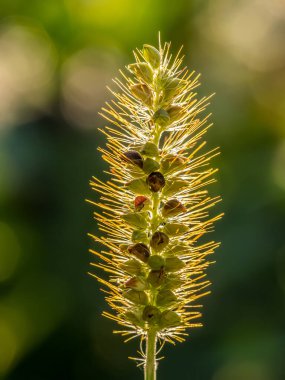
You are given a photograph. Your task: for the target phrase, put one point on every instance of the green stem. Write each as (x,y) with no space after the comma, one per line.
(150,364)
(155,215)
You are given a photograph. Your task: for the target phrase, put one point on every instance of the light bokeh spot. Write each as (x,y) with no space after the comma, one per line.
(27,64)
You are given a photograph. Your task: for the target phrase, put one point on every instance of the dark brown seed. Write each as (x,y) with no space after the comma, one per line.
(133,157)
(173,207)
(155,181)
(140,251)
(159,241)
(156,277)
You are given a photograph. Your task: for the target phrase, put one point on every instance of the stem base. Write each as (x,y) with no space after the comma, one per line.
(150,364)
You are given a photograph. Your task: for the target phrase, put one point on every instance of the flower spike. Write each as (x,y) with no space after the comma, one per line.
(154,209)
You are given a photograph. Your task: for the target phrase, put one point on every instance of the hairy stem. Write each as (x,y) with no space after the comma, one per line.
(150,364)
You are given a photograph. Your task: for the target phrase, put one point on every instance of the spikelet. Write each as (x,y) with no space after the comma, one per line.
(154,209)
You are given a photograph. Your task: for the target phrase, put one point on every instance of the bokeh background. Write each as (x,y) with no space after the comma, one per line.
(56,58)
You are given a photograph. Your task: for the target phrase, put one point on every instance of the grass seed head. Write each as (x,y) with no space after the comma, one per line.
(155,207)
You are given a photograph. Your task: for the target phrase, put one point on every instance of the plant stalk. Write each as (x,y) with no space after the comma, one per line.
(150,364)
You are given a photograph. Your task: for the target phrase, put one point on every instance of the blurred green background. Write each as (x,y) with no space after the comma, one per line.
(56,58)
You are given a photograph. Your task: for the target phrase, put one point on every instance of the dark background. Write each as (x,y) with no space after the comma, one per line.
(56,58)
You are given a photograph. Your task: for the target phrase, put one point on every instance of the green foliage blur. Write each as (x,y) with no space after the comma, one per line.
(56,59)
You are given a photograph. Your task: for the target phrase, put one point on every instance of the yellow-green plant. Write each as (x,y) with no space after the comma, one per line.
(154,209)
